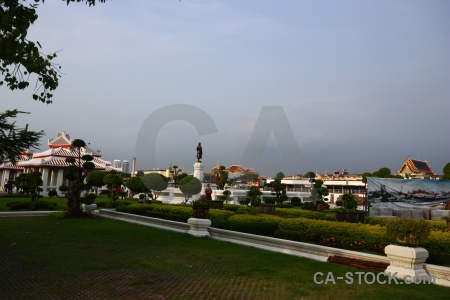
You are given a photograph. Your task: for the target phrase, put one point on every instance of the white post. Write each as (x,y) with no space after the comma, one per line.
(406,262)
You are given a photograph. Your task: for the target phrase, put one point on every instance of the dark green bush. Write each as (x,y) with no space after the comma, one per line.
(284,205)
(220,213)
(297,213)
(136,209)
(29,205)
(340,235)
(231,207)
(308,206)
(296,201)
(16,196)
(52,193)
(438,245)
(254,224)
(245,210)
(269,200)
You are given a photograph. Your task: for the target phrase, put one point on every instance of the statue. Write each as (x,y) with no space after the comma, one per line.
(199,152)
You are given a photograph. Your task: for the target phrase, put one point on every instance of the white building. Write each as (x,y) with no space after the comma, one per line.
(52,162)
(126,167)
(117,164)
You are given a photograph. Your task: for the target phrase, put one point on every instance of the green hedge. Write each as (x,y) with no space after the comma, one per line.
(254,224)
(220,214)
(172,212)
(302,213)
(438,246)
(435,225)
(29,205)
(333,234)
(232,207)
(136,209)
(16,196)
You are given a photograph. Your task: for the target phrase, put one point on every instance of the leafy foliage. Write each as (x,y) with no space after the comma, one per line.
(14,140)
(190,186)
(30,183)
(280,175)
(254,196)
(156,183)
(113,180)
(75,175)
(222,178)
(21,58)
(446,171)
(95,178)
(401,228)
(279,190)
(136,185)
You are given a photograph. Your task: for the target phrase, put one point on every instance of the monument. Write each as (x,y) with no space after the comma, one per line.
(198,166)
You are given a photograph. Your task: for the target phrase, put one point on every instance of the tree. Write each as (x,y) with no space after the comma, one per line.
(113,180)
(446,171)
(135,185)
(21,58)
(190,186)
(222,178)
(76,173)
(140,173)
(254,196)
(280,175)
(14,140)
(156,183)
(30,183)
(279,190)
(95,178)
(385,173)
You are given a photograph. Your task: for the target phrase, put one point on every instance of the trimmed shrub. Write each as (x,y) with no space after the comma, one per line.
(438,244)
(284,205)
(231,207)
(340,235)
(297,213)
(58,215)
(16,196)
(308,206)
(136,209)
(435,225)
(296,201)
(269,200)
(29,205)
(220,213)
(254,224)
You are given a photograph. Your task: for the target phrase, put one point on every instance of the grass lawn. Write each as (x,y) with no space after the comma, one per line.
(61,202)
(45,258)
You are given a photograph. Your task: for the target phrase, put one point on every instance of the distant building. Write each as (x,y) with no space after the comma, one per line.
(126,167)
(416,169)
(52,162)
(116,164)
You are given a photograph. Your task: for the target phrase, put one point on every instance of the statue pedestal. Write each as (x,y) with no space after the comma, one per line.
(198,171)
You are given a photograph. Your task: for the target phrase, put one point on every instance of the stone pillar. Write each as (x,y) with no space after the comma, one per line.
(198,171)
(199,227)
(59,179)
(406,262)
(45,173)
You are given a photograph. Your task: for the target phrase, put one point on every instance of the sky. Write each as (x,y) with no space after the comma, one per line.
(273,85)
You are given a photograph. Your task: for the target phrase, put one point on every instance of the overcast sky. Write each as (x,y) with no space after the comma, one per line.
(358,85)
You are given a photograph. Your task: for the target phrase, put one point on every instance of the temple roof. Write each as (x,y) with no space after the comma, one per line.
(62,140)
(416,166)
(60,149)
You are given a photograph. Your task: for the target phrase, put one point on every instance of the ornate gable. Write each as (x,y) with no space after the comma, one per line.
(414,168)
(61,141)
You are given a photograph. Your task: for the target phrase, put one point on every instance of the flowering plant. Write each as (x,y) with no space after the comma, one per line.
(407,231)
